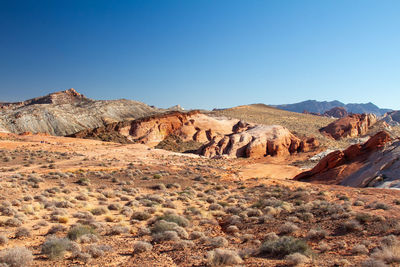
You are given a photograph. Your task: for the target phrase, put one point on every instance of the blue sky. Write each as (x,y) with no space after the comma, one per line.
(205,53)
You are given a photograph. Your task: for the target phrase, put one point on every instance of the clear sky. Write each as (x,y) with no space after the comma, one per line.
(203,53)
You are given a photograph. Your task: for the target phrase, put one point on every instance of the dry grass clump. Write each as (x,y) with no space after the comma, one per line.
(219,257)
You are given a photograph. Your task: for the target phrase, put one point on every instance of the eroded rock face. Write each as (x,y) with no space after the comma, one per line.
(220,136)
(339,165)
(188,126)
(257,141)
(351,126)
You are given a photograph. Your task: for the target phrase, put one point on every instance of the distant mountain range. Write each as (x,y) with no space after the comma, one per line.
(314,106)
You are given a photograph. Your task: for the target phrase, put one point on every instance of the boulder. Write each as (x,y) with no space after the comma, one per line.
(350,126)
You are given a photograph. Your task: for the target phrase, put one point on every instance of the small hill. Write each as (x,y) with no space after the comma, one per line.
(67,112)
(321,107)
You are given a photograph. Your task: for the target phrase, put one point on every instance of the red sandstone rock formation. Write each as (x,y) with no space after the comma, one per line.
(257,141)
(337,165)
(221,136)
(189,126)
(337,112)
(350,126)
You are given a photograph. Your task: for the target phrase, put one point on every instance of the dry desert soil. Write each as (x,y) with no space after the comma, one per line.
(76,202)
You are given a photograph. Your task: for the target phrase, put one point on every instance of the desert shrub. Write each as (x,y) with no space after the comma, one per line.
(232,229)
(56,228)
(142,231)
(288,228)
(165,236)
(183,244)
(84,181)
(323,247)
(388,254)
(196,235)
(3,239)
(96,251)
(360,249)
(99,211)
(381,206)
(179,220)
(363,217)
(141,246)
(79,230)
(141,215)
(81,256)
(16,257)
(118,229)
(271,236)
(13,222)
(351,226)
(159,187)
(316,234)
(389,241)
(217,242)
(55,247)
(22,232)
(283,246)
(162,226)
(220,257)
(89,238)
(373,263)
(126,211)
(358,203)
(114,206)
(296,259)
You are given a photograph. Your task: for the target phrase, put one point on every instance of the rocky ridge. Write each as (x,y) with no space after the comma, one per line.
(67,112)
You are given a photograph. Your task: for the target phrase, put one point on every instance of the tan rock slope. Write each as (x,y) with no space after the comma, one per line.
(67,112)
(374,163)
(350,126)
